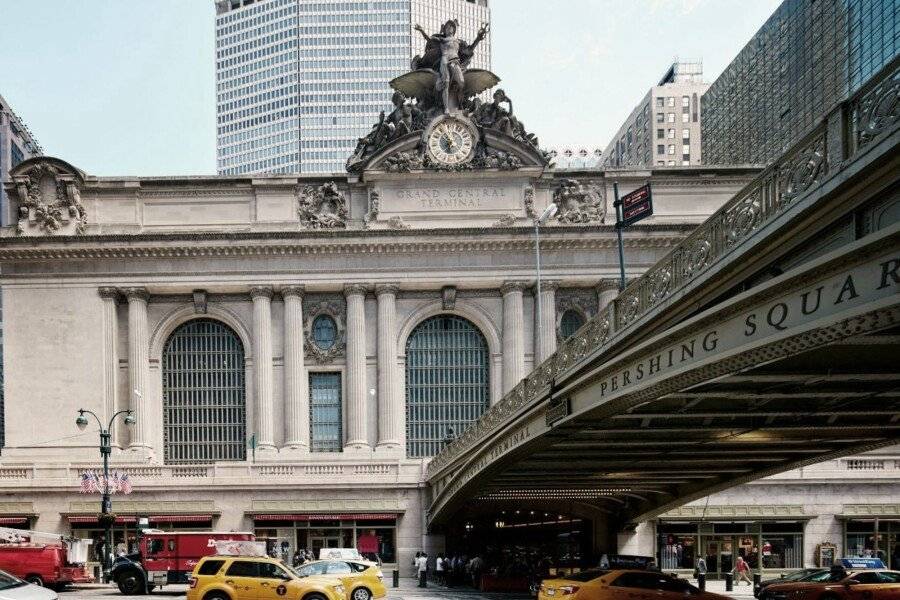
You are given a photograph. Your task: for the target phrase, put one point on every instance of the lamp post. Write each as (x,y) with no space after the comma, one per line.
(548,213)
(105,450)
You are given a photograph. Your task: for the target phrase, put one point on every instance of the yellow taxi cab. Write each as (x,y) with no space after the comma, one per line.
(363,580)
(220,577)
(620,584)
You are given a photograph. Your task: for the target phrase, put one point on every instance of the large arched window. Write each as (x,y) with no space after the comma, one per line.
(447,382)
(204,403)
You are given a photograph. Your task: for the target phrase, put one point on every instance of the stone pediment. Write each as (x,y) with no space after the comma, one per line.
(48,194)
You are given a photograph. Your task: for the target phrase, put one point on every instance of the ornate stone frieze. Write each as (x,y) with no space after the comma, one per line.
(49,200)
(579,202)
(200,301)
(323,207)
(403,162)
(374,207)
(528,201)
(329,305)
(448,297)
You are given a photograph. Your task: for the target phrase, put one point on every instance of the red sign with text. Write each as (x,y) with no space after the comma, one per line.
(636,205)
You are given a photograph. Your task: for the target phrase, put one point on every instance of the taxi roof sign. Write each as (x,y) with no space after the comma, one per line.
(240,548)
(862,563)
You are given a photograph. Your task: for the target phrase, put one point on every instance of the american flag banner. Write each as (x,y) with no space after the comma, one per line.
(94,483)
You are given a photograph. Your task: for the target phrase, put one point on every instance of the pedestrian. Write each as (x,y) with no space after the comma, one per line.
(742,572)
(701,568)
(422,569)
(439,569)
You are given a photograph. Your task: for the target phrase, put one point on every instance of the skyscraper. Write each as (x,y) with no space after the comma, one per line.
(664,128)
(807,57)
(298,81)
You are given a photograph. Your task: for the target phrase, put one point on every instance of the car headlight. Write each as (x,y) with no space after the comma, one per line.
(339,589)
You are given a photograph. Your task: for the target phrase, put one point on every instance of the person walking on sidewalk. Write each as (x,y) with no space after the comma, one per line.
(742,572)
(439,569)
(422,568)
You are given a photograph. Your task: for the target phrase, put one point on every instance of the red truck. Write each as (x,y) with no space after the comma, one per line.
(166,557)
(42,564)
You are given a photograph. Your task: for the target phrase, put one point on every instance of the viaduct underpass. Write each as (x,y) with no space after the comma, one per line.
(767,340)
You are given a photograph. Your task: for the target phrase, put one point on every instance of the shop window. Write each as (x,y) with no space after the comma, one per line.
(677,551)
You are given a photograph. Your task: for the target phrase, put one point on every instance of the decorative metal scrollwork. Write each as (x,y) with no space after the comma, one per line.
(802,171)
(743,218)
(877,110)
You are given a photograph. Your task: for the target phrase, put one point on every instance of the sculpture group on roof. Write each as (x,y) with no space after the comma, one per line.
(441,83)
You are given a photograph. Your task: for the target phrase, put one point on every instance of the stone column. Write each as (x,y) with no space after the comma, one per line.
(296,385)
(262,350)
(138,368)
(357,436)
(513,334)
(545,331)
(607,290)
(390,407)
(109,296)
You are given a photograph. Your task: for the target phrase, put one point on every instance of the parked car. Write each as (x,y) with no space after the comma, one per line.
(166,557)
(800,575)
(13,588)
(619,585)
(257,578)
(870,584)
(42,564)
(362,580)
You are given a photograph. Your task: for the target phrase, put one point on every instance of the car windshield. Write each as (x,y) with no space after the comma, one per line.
(8,581)
(818,576)
(585,575)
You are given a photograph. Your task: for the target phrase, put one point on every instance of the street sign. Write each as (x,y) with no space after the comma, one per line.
(636,205)
(862,563)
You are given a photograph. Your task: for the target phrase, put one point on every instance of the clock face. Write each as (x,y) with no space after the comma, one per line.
(451,142)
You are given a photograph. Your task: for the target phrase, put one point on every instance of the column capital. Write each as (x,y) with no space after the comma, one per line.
(136,293)
(512,286)
(108,293)
(387,288)
(356,289)
(261,291)
(549,285)
(293,290)
(605,285)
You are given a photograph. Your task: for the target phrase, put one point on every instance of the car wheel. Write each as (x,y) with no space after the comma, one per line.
(130,584)
(315,597)
(35,580)
(361,593)
(216,596)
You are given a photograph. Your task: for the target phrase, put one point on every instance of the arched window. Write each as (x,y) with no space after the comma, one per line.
(204,403)
(571,321)
(447,382)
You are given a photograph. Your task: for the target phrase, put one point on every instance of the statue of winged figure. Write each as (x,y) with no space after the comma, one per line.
(440,75)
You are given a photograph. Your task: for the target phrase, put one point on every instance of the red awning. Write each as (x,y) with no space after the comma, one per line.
(14,520)
(181,519)
(326,517)
(87,519)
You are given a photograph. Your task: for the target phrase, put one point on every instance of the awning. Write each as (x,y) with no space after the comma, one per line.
(326,517)
(15,520)
(890,511)
(93,519)
(181,519)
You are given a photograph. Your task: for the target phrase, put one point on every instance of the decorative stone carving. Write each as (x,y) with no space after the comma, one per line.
(397,223)
(403,162)
(448,297)
(579,203)
(49,199)
(109,293)
(322,208)
(505,221)
(265,291)
(200,301)
(529,202)
(334,306)
(374,207)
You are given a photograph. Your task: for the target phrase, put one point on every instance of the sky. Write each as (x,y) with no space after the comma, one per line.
(127,87)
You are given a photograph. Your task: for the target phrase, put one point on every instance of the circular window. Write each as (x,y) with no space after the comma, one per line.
(571,321)
(324,332)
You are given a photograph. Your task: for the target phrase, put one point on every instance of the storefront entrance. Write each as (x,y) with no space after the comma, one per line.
(719,555)
(319,542)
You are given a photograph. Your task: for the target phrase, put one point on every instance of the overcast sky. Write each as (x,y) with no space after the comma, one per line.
(127,87)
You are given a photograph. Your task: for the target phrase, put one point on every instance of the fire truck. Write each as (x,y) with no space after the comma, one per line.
(46,559)
(166,557)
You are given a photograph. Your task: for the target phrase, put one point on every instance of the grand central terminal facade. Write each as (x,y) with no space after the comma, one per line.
(295,348)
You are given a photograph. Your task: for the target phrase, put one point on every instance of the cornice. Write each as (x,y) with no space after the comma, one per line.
(200,248)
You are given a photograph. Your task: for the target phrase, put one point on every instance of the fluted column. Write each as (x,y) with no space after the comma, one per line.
(607,290)
(513,334)
(109,296)
(262,350)
(357,437)
(296,386)
(545,331)
(138,367)
(390,408)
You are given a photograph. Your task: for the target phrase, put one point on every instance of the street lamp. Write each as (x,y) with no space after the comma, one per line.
(105,450)
(548,214)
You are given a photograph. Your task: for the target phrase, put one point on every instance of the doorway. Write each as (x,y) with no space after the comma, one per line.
(719,555)
(319,542)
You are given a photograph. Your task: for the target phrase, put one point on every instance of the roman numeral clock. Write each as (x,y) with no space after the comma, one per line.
(451,140)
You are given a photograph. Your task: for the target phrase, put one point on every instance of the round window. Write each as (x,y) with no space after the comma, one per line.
(571,321)
(324,332)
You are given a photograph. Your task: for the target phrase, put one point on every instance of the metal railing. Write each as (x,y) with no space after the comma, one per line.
(864,118)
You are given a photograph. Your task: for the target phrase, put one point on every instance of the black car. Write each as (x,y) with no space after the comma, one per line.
(799,575)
